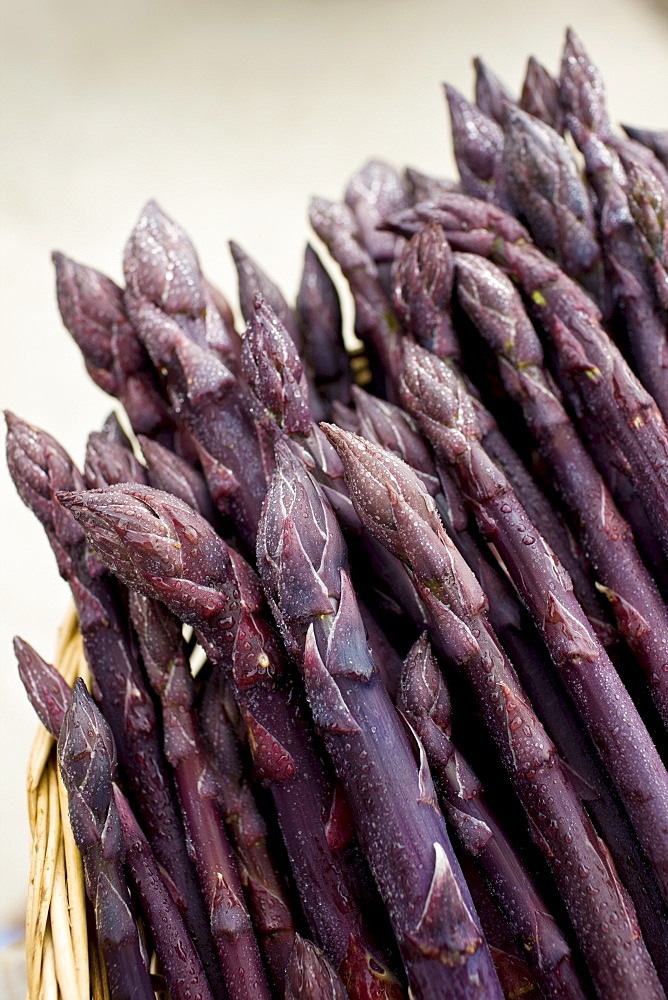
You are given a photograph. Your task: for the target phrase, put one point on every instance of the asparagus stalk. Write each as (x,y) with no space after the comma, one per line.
(91,306)
(547,694)
(48,692)
(540,96)
(373,193)
(40,467)
(311,976)
(495,307)
(621,408)
(178,959)
(478,147)
(437,397)
(161,547)
(544,182)
(491,94)
(402,835)
(423,697)
(253,280)
(319,313)
(656,141)
(50,696)
(182,345)
(161,265)
(423,282)
(168,670)
(375,323)
(395,507)
(583,97)
(423,258)
(169,472)
(87,760)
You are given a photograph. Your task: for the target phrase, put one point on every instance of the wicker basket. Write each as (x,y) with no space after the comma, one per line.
(62,956)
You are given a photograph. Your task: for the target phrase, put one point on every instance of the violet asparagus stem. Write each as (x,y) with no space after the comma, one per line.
(491,94)
(183,346)
(169,472)
(426,188)
(373,193)
(402,835)
(180,963)
(438,399)
(656,141)
(546,691)
(545,184)
(424,256)
(264,887)
(50,696)
(478,147)
(395,507)
(583,97)
(253,280)
(48,693)
(621,408)
(540,96)
(87,760)
(279,403)
(92,309)
(311,976)
(40,467)
(423,282)
(375,323)
(319,313)
(107,462)
(495,307)
(168,670)
(648,203)
(161,265)
(424,699)
(161,547)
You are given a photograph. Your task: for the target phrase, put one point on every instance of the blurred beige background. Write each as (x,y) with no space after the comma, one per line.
(231,114)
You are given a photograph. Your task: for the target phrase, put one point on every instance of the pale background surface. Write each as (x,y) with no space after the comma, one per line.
(230,114)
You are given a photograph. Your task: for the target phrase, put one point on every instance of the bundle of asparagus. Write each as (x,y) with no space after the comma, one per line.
(425,754)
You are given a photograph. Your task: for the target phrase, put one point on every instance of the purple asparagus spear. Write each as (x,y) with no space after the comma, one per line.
(491,94)
(87,761)
(621,408)
(434,394)
(423,283)
(50,696)
(395,507)
(311,976)
(583,97)
(92,309)
(656,141)
(423,258)
(478,146)
(169,472)
(424,698)
(161,547)
(495,307)
(40,467)
(545,184)
(540,96)
(319,313)
(402,835)
(179,962)
(168,670)
(161,265)
(200,387)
